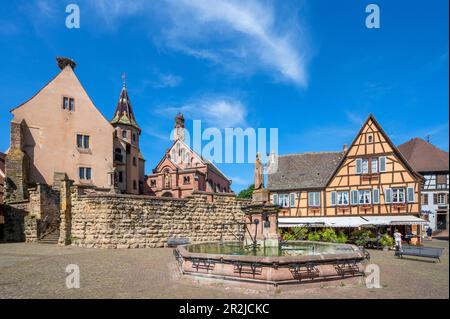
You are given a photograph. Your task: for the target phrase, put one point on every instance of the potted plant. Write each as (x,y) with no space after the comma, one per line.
(386,242)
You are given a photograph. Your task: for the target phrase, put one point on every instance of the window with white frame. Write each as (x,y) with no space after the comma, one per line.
(398,195)
(68,103)
(441,199)
(342,198)
(313,199)
(365,166)
(292,199)
(83,141)
(85,173)
(374,165)
(364,197)
(283,200)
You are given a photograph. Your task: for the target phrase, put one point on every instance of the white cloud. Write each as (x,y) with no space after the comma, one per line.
(244,33)
(166,80)
(241,36)
(219,112)
(112,11)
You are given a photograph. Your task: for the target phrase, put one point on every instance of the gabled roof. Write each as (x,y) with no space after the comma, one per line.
(203,160)
(303,171)
(424,157)
(388,140)
(124,113)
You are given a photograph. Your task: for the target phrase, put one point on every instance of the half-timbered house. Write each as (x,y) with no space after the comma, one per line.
(368,183)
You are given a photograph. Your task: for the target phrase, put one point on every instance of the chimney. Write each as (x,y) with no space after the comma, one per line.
(345,148)
(63,62)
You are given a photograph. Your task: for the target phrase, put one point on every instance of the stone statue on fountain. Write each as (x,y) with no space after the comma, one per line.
(261,216)
(260,194)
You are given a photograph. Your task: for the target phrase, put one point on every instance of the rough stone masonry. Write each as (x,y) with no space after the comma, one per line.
(131,221)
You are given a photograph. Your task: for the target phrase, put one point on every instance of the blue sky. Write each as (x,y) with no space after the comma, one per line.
(309,68)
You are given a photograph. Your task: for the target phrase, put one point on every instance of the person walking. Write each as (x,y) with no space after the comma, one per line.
(429,233)
(398,240)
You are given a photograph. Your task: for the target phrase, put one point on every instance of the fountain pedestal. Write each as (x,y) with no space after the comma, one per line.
(261,220)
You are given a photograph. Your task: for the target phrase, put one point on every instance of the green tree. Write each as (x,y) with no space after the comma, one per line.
(246,193)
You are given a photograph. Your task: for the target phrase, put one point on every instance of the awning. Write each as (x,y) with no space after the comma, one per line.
(353,221)
(395,220)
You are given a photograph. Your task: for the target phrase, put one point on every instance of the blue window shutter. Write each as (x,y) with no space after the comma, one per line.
(333,198)
(382,164)
(354,197)
(376,196)
(358,166)
(292,199)
(388,195)
(410,195)
(318,198)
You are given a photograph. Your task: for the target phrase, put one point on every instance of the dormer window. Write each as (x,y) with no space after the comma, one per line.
(68,103)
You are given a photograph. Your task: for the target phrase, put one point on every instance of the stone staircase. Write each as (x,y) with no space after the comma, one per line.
(51,238)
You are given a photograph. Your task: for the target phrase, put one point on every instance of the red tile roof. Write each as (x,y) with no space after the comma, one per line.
(424,157)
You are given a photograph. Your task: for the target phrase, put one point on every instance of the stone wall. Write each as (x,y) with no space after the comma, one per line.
(16,167)
(27,220)
(127,221)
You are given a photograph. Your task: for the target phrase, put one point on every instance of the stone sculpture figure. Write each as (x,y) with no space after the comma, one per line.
(167,179)
(258,174)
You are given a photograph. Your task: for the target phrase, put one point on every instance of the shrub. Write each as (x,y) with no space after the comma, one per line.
(361,237)
(300,233)
(341,238)
(295,233)
(314,236)
(328,235)
(386,241)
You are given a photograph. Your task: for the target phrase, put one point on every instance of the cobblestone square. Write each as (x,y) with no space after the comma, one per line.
(38,271)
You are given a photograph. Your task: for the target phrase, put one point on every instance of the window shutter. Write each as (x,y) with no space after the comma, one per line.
(358,166)
(275,199)
(410,195)
(376,196)
(354,197)
(435,199)
(333,198)
(382,167)
(388,195)
(292,199)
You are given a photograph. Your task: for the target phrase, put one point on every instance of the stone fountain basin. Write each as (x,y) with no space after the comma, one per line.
(273,269)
